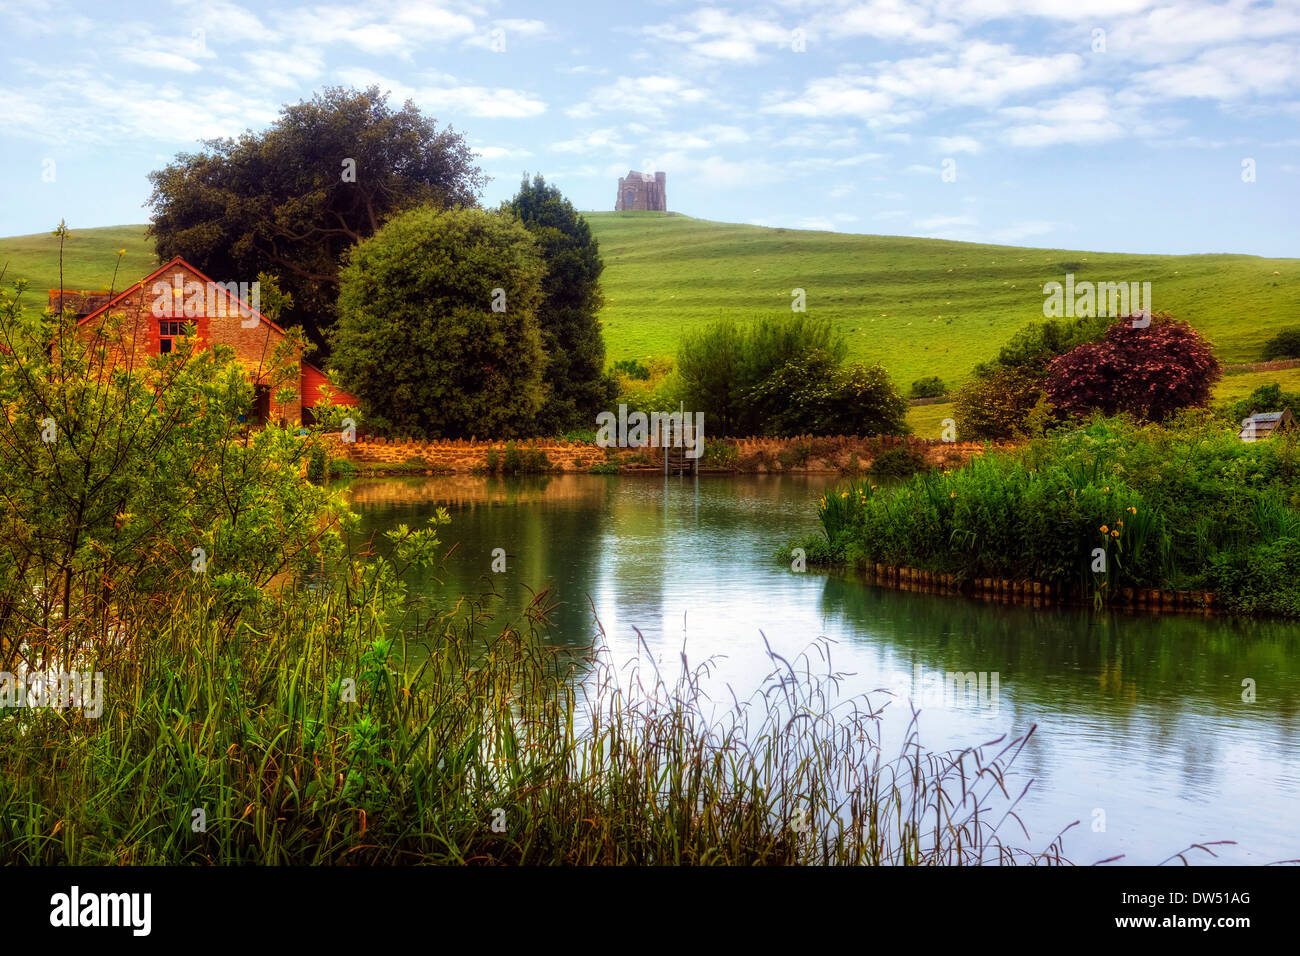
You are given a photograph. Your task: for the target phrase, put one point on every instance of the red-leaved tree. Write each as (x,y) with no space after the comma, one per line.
(1150,372)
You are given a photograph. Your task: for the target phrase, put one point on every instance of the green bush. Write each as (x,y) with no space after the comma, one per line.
(419,338)
(901,462)
(813,395)
(720,365)
(796,456)
(1284,345)
(719,454)
(342,468)
(930,387)
(1264,578)
(516,461)
(632,369)
(995,406)
(317,463)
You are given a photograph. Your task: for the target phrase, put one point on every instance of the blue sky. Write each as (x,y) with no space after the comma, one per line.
(1118,125)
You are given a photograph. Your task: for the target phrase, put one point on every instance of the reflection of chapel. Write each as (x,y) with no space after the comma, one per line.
(642,191)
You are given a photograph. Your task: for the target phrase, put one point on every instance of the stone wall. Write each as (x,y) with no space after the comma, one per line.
(458,457)
(804,454)
(1276,365)
(837,453)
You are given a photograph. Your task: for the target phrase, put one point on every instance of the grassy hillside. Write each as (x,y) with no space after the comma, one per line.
(89,258)
(919,306)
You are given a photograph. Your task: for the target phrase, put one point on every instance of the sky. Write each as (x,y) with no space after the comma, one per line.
(1152,126)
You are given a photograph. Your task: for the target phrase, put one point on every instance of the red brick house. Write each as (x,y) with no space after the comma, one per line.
(157,308)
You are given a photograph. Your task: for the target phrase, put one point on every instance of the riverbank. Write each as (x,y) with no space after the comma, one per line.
(1036,594)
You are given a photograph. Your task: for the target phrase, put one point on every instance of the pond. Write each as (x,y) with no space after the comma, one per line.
(1146,730)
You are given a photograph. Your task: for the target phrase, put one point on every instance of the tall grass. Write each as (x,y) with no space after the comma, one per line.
(465,748)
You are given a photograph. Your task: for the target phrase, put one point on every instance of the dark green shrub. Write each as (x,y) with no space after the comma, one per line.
(317,463)
(1261,579)
(528,461)
(720,365)
(796,456)
(1284,345)
(901,462)
(813,394)
(993,407)
(512,462)
(719,454)
(632,369)
(535,461)
(930,387)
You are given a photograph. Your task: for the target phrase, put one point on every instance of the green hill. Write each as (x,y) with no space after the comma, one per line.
(89,259)
(919,306)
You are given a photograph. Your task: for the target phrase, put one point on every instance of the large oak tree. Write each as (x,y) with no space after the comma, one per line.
(292,199)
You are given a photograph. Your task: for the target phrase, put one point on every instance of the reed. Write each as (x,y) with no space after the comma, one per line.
(465,748)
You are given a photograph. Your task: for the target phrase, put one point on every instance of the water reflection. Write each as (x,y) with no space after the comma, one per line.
(1143,736)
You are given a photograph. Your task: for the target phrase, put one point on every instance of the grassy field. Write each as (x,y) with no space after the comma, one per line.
(919,306)
(89,258)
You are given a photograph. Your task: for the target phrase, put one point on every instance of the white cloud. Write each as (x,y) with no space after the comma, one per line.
(1228,73)
(713,34)
(494,103)
(593,141)
(956,144)
(982,74)
(160,58)
(1083,116)
(891,20)
(639,96)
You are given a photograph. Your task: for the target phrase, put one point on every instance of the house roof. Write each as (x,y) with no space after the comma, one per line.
(176,261)
(1263,424)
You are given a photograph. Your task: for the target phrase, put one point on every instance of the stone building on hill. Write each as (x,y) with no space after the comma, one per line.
(642,191)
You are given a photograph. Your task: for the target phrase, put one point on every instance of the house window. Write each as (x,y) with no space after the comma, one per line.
(169,330)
